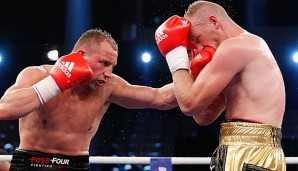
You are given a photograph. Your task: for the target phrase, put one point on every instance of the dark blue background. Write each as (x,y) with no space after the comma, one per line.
(31,28)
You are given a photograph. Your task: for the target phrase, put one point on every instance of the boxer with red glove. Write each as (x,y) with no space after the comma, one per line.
(171,39)
(200,60)
(68,71)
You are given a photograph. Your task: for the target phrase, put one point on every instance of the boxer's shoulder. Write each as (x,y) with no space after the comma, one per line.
(35,71)
(117,80)
(116,84)
(41,68)
(45,68)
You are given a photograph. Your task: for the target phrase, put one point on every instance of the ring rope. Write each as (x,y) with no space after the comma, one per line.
(146,160)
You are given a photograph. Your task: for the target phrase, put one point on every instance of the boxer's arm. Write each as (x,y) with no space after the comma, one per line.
(21,99)
(140,97)
(68,71)
(195,96)
(4,165)
(172,40)
(200,60)
(212,112)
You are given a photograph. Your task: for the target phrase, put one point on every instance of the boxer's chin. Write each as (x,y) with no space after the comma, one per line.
(95,84)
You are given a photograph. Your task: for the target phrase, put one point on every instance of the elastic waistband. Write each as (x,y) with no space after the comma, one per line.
(34,160)
(252,133)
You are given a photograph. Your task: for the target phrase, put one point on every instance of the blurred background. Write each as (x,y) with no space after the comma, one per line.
(30,29)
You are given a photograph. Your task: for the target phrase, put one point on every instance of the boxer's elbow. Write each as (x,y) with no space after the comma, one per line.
(202,120)
(200,123)
(190,108)
(207,116)
(193,105)
(4,113)
(188,111)
(7,113)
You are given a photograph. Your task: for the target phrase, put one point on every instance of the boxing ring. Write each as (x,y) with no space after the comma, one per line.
(146,160)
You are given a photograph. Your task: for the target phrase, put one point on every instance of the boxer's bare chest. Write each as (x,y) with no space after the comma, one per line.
(75,111)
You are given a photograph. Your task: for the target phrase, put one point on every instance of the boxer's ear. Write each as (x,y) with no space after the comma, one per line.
(213,20)
(82,52)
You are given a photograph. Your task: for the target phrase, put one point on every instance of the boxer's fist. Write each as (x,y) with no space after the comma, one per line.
(171,39)
(70,70)
(200,60)
(172,33)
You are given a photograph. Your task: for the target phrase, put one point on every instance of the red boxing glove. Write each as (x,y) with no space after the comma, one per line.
(71,70)
(171,39)
(68,71)
(172,33)
(200,60)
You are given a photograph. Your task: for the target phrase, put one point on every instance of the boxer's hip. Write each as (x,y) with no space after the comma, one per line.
(249,146)
(233,133)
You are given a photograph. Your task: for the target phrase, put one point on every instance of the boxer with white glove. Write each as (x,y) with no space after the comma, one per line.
(68,71)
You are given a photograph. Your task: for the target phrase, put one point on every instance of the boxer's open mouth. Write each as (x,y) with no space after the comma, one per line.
(100,82)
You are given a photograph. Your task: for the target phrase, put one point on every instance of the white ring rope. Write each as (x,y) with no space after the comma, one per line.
(146,160)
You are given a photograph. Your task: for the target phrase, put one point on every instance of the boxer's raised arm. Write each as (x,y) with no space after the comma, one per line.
(21,99)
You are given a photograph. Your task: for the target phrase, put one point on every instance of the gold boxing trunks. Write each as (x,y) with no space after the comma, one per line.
(246,146)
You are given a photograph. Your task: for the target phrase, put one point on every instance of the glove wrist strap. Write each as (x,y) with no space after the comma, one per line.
(177,59)
(46,89)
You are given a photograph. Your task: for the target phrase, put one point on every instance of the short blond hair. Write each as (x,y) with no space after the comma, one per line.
(95,36)
(206,6)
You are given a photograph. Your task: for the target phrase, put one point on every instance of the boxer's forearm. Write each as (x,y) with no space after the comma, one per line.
(18,103)
(185,93)
(166,98)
